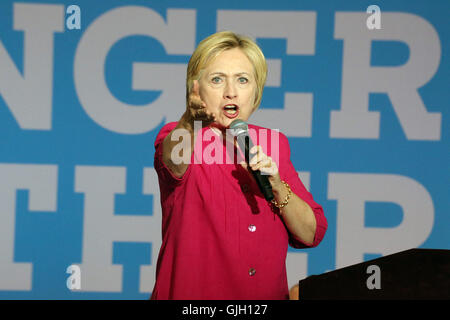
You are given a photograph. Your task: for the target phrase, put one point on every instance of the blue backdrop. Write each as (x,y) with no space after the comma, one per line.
(363,96)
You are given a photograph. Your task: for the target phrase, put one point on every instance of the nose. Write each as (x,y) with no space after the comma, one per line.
(230,91)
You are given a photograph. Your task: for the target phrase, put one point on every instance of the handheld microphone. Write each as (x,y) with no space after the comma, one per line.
(239,129)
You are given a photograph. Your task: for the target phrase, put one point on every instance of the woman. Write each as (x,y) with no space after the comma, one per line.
(221,238)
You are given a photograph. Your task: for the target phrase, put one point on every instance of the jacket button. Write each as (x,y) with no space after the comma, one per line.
(252,228)
(251,272)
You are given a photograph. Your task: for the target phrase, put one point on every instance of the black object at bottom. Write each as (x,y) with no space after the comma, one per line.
(410,274)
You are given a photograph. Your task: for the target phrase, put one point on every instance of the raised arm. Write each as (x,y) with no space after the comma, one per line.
(195,111)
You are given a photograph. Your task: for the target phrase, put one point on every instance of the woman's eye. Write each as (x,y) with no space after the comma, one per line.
(216,80)
(243,80)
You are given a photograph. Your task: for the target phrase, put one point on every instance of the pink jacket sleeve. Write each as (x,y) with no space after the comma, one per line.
(290,175)
(166,178)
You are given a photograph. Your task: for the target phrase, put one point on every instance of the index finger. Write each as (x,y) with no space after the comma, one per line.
(195,88)
(195,101)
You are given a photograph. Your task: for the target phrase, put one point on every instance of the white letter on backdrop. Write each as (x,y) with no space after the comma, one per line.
(401,83)
(177,36)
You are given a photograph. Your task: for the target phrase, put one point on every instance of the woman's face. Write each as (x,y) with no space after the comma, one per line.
(227,86)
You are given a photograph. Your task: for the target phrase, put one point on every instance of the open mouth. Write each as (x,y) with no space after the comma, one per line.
(231,111)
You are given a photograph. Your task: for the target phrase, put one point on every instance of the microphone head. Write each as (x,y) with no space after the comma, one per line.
(238,127)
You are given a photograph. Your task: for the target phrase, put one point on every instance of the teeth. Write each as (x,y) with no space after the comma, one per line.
(230,109)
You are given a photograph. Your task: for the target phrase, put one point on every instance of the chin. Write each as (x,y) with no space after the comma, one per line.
(219,125)
(225,123)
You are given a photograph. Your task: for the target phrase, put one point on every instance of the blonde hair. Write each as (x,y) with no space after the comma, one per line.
(212,46)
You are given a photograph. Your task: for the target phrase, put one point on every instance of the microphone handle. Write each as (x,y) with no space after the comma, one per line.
(245,144)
